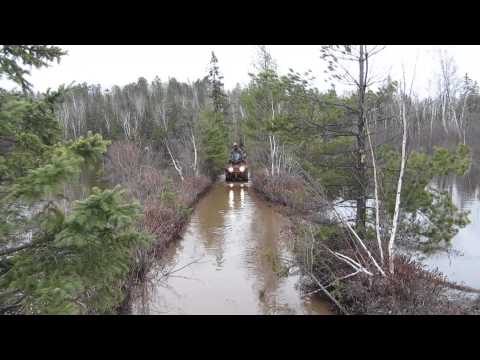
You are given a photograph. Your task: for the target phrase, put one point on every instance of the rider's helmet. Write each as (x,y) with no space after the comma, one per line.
(235,145)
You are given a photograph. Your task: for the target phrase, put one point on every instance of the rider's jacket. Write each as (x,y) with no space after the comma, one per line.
(236,151)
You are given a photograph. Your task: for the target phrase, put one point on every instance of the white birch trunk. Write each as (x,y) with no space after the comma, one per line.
(399,191)
(377,209)
(195,171)
(175,164)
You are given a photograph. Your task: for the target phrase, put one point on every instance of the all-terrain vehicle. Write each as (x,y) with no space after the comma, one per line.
(236,169)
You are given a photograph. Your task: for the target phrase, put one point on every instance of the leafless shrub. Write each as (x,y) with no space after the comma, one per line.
(166,204)
(412,291)
(284,189)
(124,161)
(191,188)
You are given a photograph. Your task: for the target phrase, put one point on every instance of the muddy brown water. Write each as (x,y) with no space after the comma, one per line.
(231,259)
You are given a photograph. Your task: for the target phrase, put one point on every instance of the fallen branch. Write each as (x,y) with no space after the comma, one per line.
(355,265)
(183,267)
(12,250)
(329,295)
(331,284)
(380,270)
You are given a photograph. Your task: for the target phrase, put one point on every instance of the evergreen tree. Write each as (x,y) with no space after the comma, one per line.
(74,262)
(319,128)
(56,257)
(27,124)
(218,96)
(29,55)
(214,146)
(28,129)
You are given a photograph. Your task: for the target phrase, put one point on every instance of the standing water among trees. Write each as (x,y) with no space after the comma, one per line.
(363,178)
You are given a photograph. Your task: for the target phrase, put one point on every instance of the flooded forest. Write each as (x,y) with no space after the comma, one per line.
(129,200)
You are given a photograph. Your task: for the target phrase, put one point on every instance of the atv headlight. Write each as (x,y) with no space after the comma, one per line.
(230,169)
(242,168)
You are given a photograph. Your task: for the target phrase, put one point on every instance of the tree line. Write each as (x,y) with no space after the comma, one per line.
(60,254)
(372,151)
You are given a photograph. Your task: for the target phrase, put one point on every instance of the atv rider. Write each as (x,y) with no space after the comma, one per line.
(237,154)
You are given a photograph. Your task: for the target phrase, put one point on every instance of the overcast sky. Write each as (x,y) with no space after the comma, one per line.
(119,65)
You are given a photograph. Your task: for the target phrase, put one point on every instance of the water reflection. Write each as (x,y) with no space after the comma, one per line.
(464,267)
(235,244)
(231,196)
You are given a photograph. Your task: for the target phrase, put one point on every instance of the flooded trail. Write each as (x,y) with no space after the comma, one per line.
(230,260)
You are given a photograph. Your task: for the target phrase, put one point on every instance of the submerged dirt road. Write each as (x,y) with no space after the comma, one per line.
(231,259)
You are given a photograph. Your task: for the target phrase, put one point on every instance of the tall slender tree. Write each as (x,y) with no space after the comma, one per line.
(337,58)
(218,96)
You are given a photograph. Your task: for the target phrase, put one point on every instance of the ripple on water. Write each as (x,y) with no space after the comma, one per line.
(237,238)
